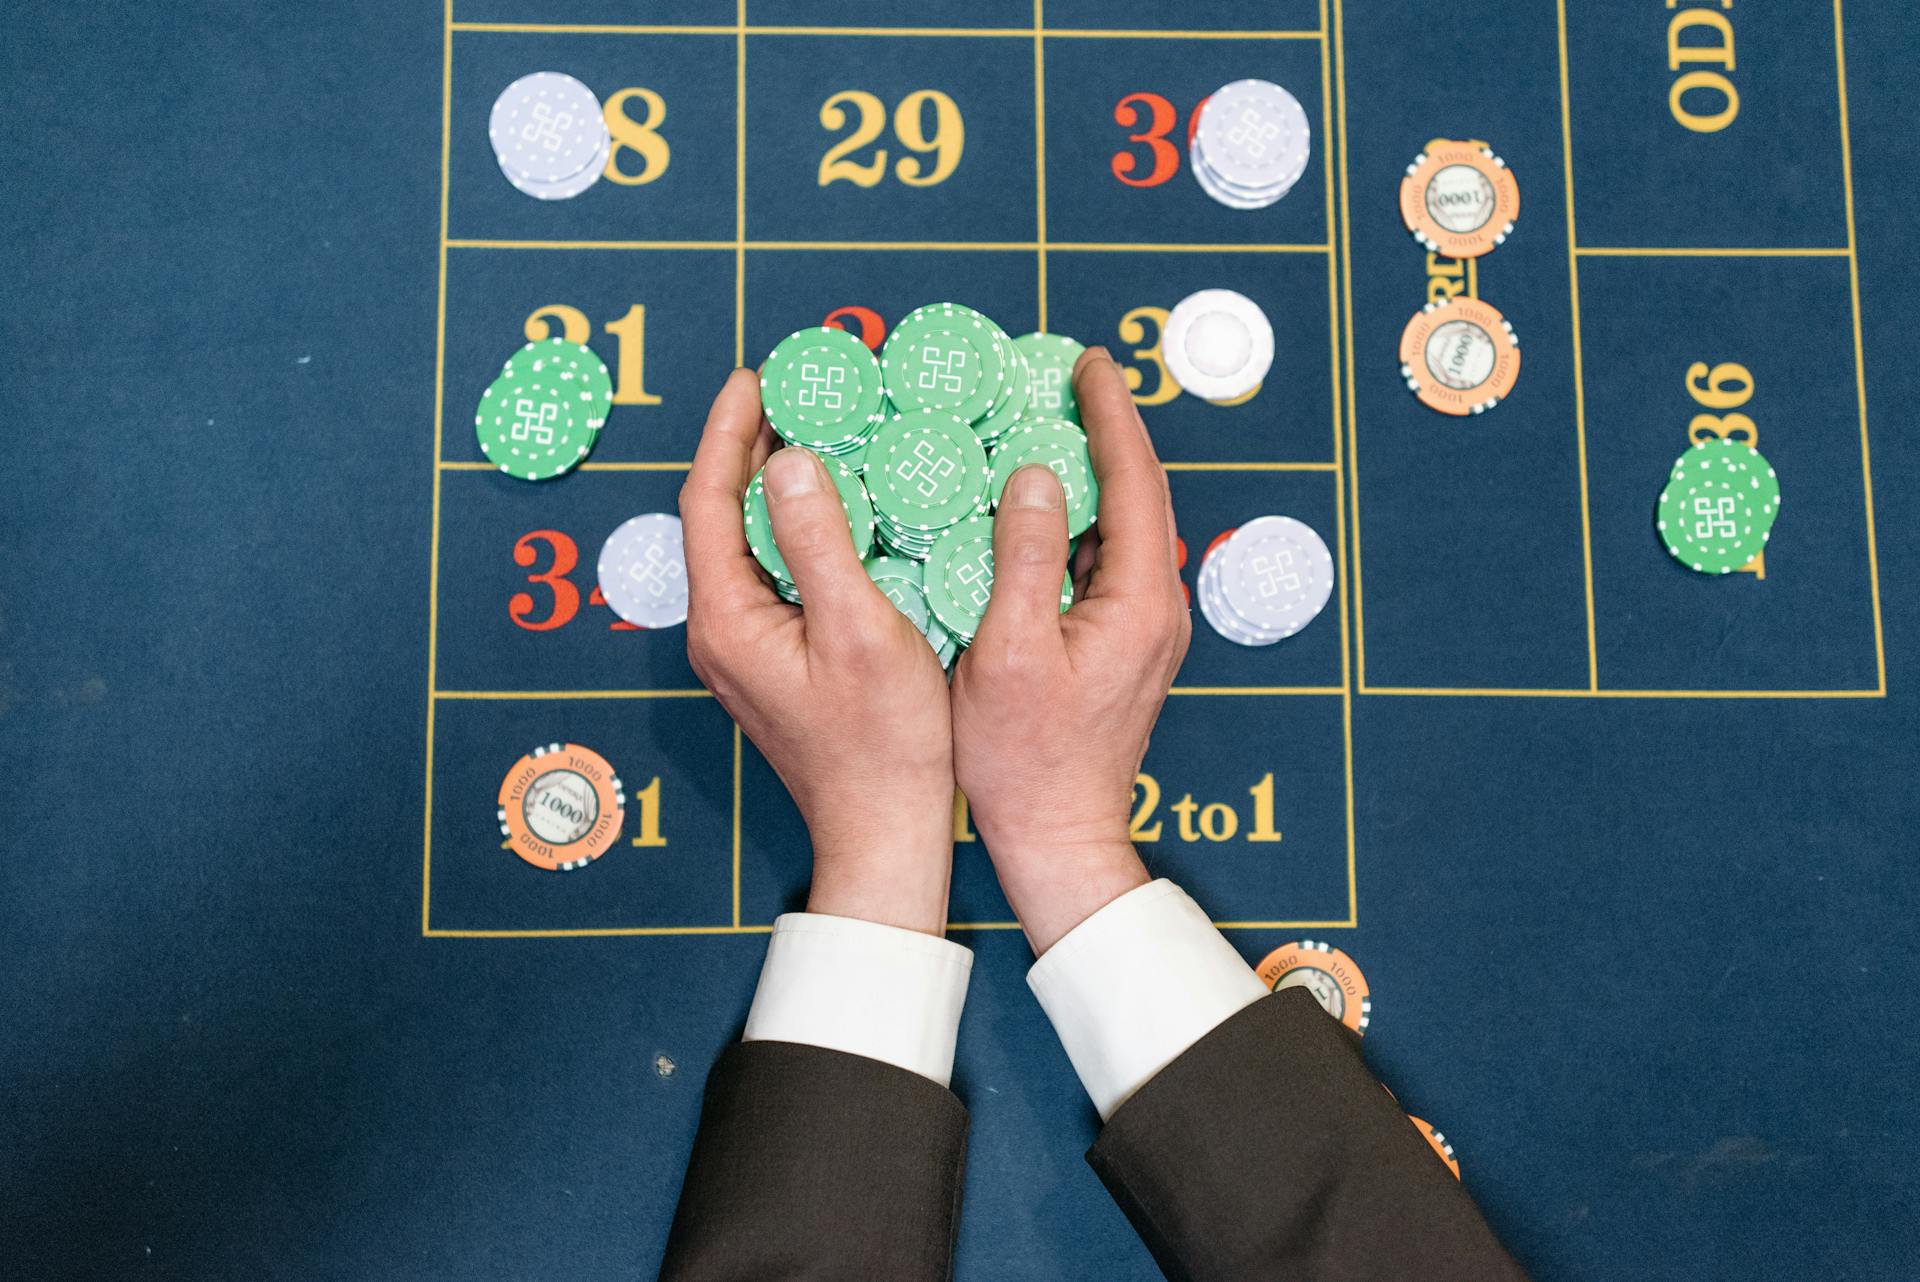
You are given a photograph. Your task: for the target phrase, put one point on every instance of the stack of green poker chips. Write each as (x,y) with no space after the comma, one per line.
(822,389)
(936,426)
(959,578)
(1051,358)
(577,369)
(759,525)
(904,583)
(1718,508)
(1058,444)
(946,357)
(926,471)
(533,426)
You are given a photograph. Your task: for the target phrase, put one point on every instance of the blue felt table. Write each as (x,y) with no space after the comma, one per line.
(1626,854)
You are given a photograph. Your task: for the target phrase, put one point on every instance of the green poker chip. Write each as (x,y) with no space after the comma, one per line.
(1057,444)
(577,369)
(1718,508)
(533,426)
(901,580)
(944,357)
(822,388)
(759,525)
(926,470)
(1014,402)
(959,578)
(1051,357)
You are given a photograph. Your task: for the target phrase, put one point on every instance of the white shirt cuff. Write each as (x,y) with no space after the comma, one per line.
(1132,987)
(856,986)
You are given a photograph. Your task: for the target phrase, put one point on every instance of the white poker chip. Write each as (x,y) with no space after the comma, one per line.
(1218,344)
(1276,574)
(546,127)
(643,571)
(566,188)
(1215,187)
(1255,138)
(1213,605)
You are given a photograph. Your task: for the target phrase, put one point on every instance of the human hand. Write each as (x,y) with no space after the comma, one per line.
(845,698)
(1051,711)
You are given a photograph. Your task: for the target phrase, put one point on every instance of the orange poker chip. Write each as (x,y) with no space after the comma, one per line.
(1459,199)
(1326,972)
(1459,356)
(1439,1142)
(561,807)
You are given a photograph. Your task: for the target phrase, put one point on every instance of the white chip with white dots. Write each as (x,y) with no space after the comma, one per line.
(643,571)
(1218,345)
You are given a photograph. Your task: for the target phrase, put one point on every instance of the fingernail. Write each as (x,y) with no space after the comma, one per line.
(791,473)
(1033,486)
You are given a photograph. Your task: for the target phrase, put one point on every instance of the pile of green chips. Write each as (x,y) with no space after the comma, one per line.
(1718,508)
(545,411)
(921,443)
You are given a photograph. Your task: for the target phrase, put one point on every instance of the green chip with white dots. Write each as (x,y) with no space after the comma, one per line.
(944,357)
(926,471)
(1718,508)
(822,388)
(959,578)
(1058,444)
(901,581)
(759,525)
(576,368)
(533,426)
(1051,358)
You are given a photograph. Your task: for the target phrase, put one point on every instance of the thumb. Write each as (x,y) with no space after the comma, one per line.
(810,529)
(1029,557)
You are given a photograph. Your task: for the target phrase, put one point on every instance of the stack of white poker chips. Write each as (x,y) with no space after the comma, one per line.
(643,571)
(1266,581)
(1218,345)
(549,135)
(1251,145)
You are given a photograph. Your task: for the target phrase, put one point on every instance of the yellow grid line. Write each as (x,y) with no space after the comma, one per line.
(1579,377)
(1339,482)
(1859,347)
(1352,476)
(472,465)
(965,33)
(1040,160)
(483,695)
(680,465)
(1532,692)
(898,246)
(439,406)
(620,932)
(1643,251)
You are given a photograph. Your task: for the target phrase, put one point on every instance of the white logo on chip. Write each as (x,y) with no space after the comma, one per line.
(1461,355)
(1460,198)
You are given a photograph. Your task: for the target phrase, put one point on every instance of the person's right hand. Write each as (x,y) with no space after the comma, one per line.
(1051,711)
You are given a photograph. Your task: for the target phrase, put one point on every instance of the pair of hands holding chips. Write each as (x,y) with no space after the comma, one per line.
(1047,717)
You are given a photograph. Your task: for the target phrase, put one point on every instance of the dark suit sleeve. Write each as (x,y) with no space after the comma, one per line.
(815,1164)
(1268,1151)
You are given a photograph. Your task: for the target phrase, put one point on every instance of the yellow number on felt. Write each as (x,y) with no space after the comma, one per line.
(1148,789)
(962,818)
(1263,829)
(630,368)
(1725,386)
(638,136)
(647,802)
(1133,329)
(949,137)
(873,119)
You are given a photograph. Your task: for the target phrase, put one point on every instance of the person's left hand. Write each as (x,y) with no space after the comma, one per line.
(845,698)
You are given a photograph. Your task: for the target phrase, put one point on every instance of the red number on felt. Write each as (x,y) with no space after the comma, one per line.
(871,331)
(1180,563)
(566,597)
(1166,156)
(619,624)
